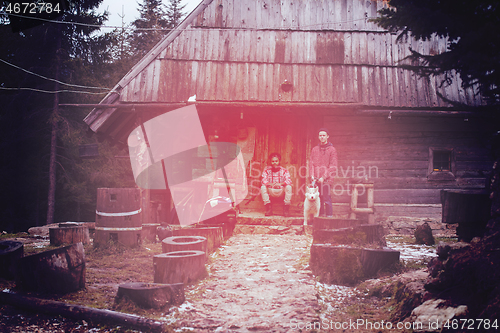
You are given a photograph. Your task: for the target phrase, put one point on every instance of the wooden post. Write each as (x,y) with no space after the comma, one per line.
(354,201)
(370,202)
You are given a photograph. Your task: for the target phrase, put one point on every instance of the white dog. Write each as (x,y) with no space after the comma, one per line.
(311,205)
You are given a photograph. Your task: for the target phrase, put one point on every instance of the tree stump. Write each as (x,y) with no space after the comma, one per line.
(212,234)
(336,264)
(345,236)
(184,243)
(164,231)
(179,267)
(149,231)
(329,236)
(320,223)
(56,271)
(374,233)
(227,230)
(152,295)
(374,260)
(10,253)
(227,225)
(69,234)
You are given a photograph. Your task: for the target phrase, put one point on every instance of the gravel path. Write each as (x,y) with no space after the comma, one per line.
(256,283)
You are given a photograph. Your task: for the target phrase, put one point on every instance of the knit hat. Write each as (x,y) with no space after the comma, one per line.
(322,129)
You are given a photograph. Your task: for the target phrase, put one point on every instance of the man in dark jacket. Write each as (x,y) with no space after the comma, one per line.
(323,168)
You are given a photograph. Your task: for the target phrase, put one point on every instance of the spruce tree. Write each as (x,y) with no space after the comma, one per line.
(150,27)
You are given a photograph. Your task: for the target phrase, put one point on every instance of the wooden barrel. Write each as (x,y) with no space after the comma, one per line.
(118,216)
(179,267)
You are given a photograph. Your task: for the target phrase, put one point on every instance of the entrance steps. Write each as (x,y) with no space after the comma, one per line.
(255,222)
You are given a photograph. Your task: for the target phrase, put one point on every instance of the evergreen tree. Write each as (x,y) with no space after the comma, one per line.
(31,123)
(175,12)
(150,27)
(155,22)
(473,42)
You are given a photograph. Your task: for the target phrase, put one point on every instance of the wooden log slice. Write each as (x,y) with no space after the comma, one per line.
(56,271)
(69,235)
(336,264)
(320,223)
(10,253)
(227,230)
(152,295)
(179,267)
(184,243)
(212,234)
(374,260)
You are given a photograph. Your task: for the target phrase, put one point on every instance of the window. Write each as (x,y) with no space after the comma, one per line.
(441,160)
(441,164)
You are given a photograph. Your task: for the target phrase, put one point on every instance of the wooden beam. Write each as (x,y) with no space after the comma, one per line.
(217,103)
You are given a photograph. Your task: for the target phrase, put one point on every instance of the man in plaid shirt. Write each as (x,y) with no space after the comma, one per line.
(276,182)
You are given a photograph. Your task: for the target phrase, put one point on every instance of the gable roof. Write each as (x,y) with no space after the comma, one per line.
(284,52)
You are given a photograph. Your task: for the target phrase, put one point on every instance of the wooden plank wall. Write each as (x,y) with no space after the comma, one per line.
(367,85)
(328,50)
(394,154)
(291,14)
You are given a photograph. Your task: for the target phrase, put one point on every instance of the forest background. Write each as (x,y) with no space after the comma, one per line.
(43,178)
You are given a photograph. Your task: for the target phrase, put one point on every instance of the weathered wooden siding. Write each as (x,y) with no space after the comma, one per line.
(328,50)
(291,14)
(394,154)
(223,81)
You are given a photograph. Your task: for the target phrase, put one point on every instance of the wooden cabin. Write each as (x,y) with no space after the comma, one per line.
(268,73)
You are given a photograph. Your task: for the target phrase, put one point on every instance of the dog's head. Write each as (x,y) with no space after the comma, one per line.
(312,193)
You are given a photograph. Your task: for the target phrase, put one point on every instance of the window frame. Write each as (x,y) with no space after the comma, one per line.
(441,175)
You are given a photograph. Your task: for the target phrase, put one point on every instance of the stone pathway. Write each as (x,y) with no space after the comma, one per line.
(256,283)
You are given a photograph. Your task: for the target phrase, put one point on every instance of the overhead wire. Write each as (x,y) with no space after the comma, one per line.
(140,29)
(54,91)
(195,29)
(53,80)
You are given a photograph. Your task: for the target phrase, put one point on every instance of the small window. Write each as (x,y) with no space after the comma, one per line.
(441,160)
(441,164)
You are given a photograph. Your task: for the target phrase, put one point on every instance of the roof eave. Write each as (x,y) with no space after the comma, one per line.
(113,96)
